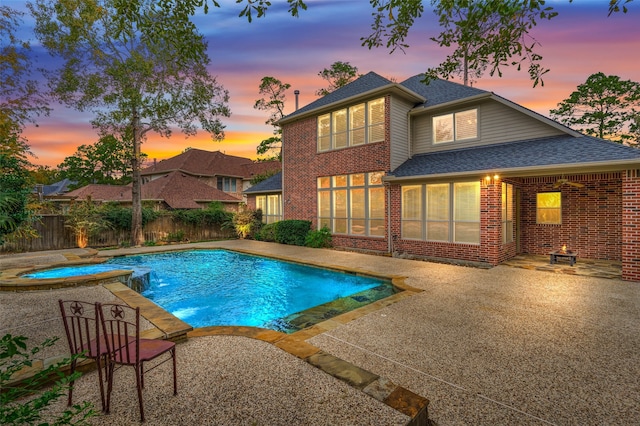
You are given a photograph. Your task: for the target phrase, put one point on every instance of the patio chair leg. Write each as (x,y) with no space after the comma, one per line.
(99,364)
(73,370)
(175,376)
(139,386)
(109,385)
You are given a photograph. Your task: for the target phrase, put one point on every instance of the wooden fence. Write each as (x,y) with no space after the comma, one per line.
(53,235)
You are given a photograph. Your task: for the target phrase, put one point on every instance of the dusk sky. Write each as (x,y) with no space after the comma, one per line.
(581,41)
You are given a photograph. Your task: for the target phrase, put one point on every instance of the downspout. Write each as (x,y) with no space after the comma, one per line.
(409,150)
(390,237)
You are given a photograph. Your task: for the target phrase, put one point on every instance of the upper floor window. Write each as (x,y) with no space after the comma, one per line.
(455,126)
(227,184)
(356,125)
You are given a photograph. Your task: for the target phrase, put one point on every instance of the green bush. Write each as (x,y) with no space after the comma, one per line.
(292,232)
(177,236)
(214,214)
(15,409)
(319,238)
(120,217)
(267,233)
(247,222)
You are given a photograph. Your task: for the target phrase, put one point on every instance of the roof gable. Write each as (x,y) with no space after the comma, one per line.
(440,91)
(366,83)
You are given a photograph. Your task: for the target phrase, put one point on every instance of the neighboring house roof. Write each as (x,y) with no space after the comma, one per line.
(198,162)
(261,167)
(102,193)
(181,191)
(178,190)
(271,184)
(552,154)
(57,188)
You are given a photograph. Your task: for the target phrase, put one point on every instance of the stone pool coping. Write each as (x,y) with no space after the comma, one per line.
(380,388)
(12,279)
(167,326)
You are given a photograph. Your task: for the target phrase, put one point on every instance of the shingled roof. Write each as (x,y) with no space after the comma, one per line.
(534,153)
(440,91)
(271,184)
(367,82)
(199,162)
(178,190)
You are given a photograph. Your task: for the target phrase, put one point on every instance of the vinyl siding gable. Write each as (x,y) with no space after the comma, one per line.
(399,131)
(497,123)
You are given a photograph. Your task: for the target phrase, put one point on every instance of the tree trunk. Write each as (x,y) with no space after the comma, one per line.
(137,236)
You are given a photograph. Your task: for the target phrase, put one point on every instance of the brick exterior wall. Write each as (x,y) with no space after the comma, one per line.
(591,216)
(631,225)
(302,165)
(490,250)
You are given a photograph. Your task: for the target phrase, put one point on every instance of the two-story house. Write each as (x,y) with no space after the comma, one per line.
(445,171)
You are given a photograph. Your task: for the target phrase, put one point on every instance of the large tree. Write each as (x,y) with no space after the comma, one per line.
(20,99)
(274,96)
(108,161)
(14,192)
(139,65)
(604,106)
(20,103)
(337,75)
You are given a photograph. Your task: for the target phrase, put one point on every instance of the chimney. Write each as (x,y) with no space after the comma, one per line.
(297,93)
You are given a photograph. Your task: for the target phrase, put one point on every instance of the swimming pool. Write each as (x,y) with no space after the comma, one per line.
(220,287)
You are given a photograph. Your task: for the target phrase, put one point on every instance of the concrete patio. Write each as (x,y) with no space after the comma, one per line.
(499,346)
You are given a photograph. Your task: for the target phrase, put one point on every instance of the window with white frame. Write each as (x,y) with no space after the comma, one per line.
(356,125)
(271,206)
(455,126)
(352,204)
(507,212)
(447,212)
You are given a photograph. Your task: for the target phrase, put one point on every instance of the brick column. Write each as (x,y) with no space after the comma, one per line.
(631,225)
(491,220)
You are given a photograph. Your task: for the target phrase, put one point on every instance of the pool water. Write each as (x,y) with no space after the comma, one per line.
(219,287)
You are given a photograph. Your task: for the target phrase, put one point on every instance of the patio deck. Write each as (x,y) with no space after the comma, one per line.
(506,345)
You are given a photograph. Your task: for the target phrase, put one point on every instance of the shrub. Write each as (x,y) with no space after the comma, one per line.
(267,233)
(120,217)
(292,232)
(214,214)
(247,222)
(175,236)
(319,238)
(84,220)
(14,410)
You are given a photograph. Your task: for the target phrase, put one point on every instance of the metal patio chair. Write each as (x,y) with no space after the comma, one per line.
(121,325)
(82,327)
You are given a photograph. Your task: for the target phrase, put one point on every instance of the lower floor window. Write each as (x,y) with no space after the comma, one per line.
(270,206)
(352,204)
(447,212)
